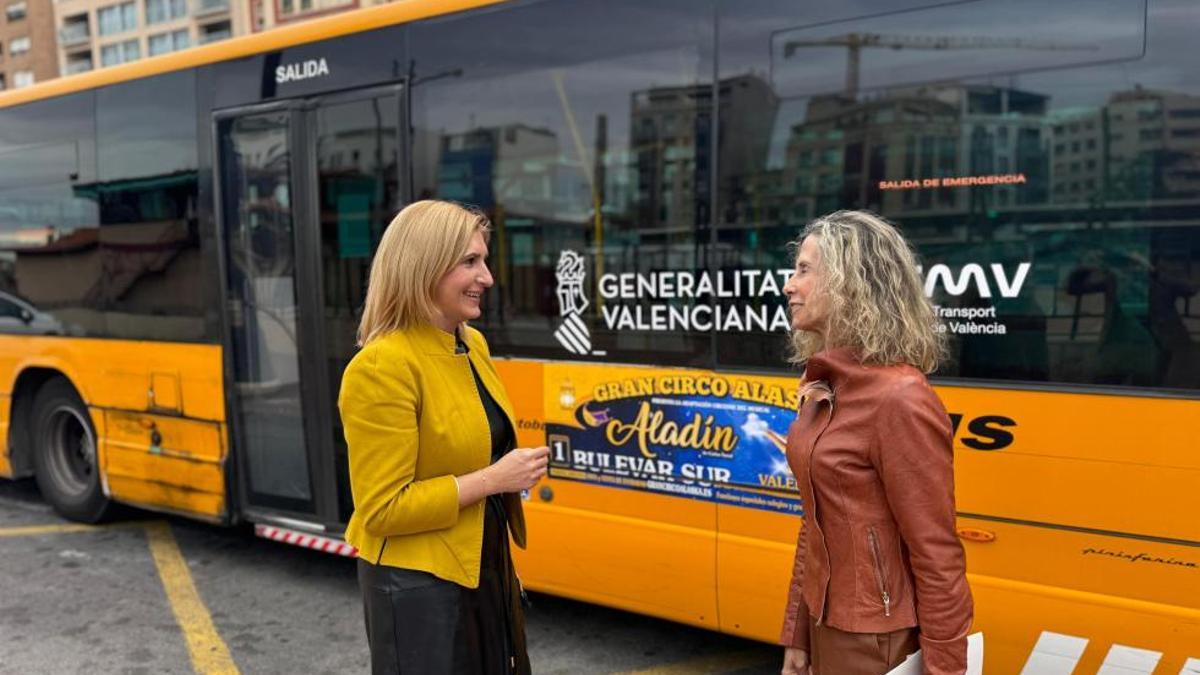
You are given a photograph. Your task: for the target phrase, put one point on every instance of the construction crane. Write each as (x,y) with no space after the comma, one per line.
(856,42)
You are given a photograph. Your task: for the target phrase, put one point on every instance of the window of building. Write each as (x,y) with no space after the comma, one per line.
(15,11)
(121,52)
(292,7)
(2,85)
(117,18)
(22,78)
(287,7)
(18,46)
(158,11)
(169,42)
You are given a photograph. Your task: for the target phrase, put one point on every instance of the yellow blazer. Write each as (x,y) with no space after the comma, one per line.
(413,420)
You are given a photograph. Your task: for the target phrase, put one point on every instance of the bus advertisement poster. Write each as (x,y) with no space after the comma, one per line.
(689,434)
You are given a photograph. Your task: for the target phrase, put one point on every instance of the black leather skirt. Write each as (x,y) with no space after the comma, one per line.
(420,624)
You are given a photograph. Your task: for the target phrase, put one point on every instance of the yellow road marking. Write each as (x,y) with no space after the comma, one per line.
(64,528)
(209,653)
(32,530)
(721,663)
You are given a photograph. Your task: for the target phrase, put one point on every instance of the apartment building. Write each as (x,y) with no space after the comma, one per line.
(100,33)
(27,46)
(267,14)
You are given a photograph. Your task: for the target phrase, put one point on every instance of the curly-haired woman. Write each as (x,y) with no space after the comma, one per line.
(879,571)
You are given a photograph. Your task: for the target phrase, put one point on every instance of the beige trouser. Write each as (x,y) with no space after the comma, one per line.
(835,652)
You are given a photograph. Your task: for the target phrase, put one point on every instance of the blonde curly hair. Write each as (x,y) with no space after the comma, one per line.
(873,294)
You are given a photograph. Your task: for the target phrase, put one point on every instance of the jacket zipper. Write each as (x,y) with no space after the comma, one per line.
(883,593)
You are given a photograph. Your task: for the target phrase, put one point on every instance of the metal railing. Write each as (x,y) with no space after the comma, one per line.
(206,38)
(83,66)
(73,34)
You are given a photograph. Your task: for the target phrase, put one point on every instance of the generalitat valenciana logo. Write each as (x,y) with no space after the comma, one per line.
(572,333)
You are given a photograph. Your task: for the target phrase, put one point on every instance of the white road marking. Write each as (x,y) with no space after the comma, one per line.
(1122,660)
(1055,654)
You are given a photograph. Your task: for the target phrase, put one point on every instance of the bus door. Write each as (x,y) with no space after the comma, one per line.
(304,189)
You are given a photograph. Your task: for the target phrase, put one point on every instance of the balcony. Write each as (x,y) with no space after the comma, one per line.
(74,34)
(207,7)
(218,30)
(81,66)
(215,36)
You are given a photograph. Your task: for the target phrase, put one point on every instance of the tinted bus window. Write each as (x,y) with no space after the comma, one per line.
(47,224)
(1045,170)
(583,129)
(358,193)
(153,281)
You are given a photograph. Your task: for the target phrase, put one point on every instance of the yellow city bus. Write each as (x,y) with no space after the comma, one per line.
(184,246)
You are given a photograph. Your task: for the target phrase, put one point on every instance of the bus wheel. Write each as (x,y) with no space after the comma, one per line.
(65,461)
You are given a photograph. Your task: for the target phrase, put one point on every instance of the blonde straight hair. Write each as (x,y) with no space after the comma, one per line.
(875,300)
(421,244)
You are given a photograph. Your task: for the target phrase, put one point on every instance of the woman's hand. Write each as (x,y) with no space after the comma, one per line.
(795,662)
(518,470)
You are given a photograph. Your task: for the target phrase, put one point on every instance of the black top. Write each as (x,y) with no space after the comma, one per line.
(501,430)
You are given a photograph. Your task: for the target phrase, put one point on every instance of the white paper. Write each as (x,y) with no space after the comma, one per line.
(914,664)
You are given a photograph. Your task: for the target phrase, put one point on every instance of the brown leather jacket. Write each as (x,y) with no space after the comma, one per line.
(871,451)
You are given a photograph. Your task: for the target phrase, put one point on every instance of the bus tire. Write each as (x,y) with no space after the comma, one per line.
(64,454)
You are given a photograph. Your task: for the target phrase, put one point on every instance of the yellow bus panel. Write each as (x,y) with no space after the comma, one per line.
(5,467)
(158,409)
(1075,510)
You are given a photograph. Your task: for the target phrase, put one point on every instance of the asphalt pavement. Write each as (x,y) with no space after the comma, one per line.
(148,594)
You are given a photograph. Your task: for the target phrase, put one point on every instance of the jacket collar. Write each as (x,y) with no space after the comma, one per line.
(433,340)
(835,367)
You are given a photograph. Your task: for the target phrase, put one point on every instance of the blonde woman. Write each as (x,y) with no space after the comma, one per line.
(879,571)
(433,471)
